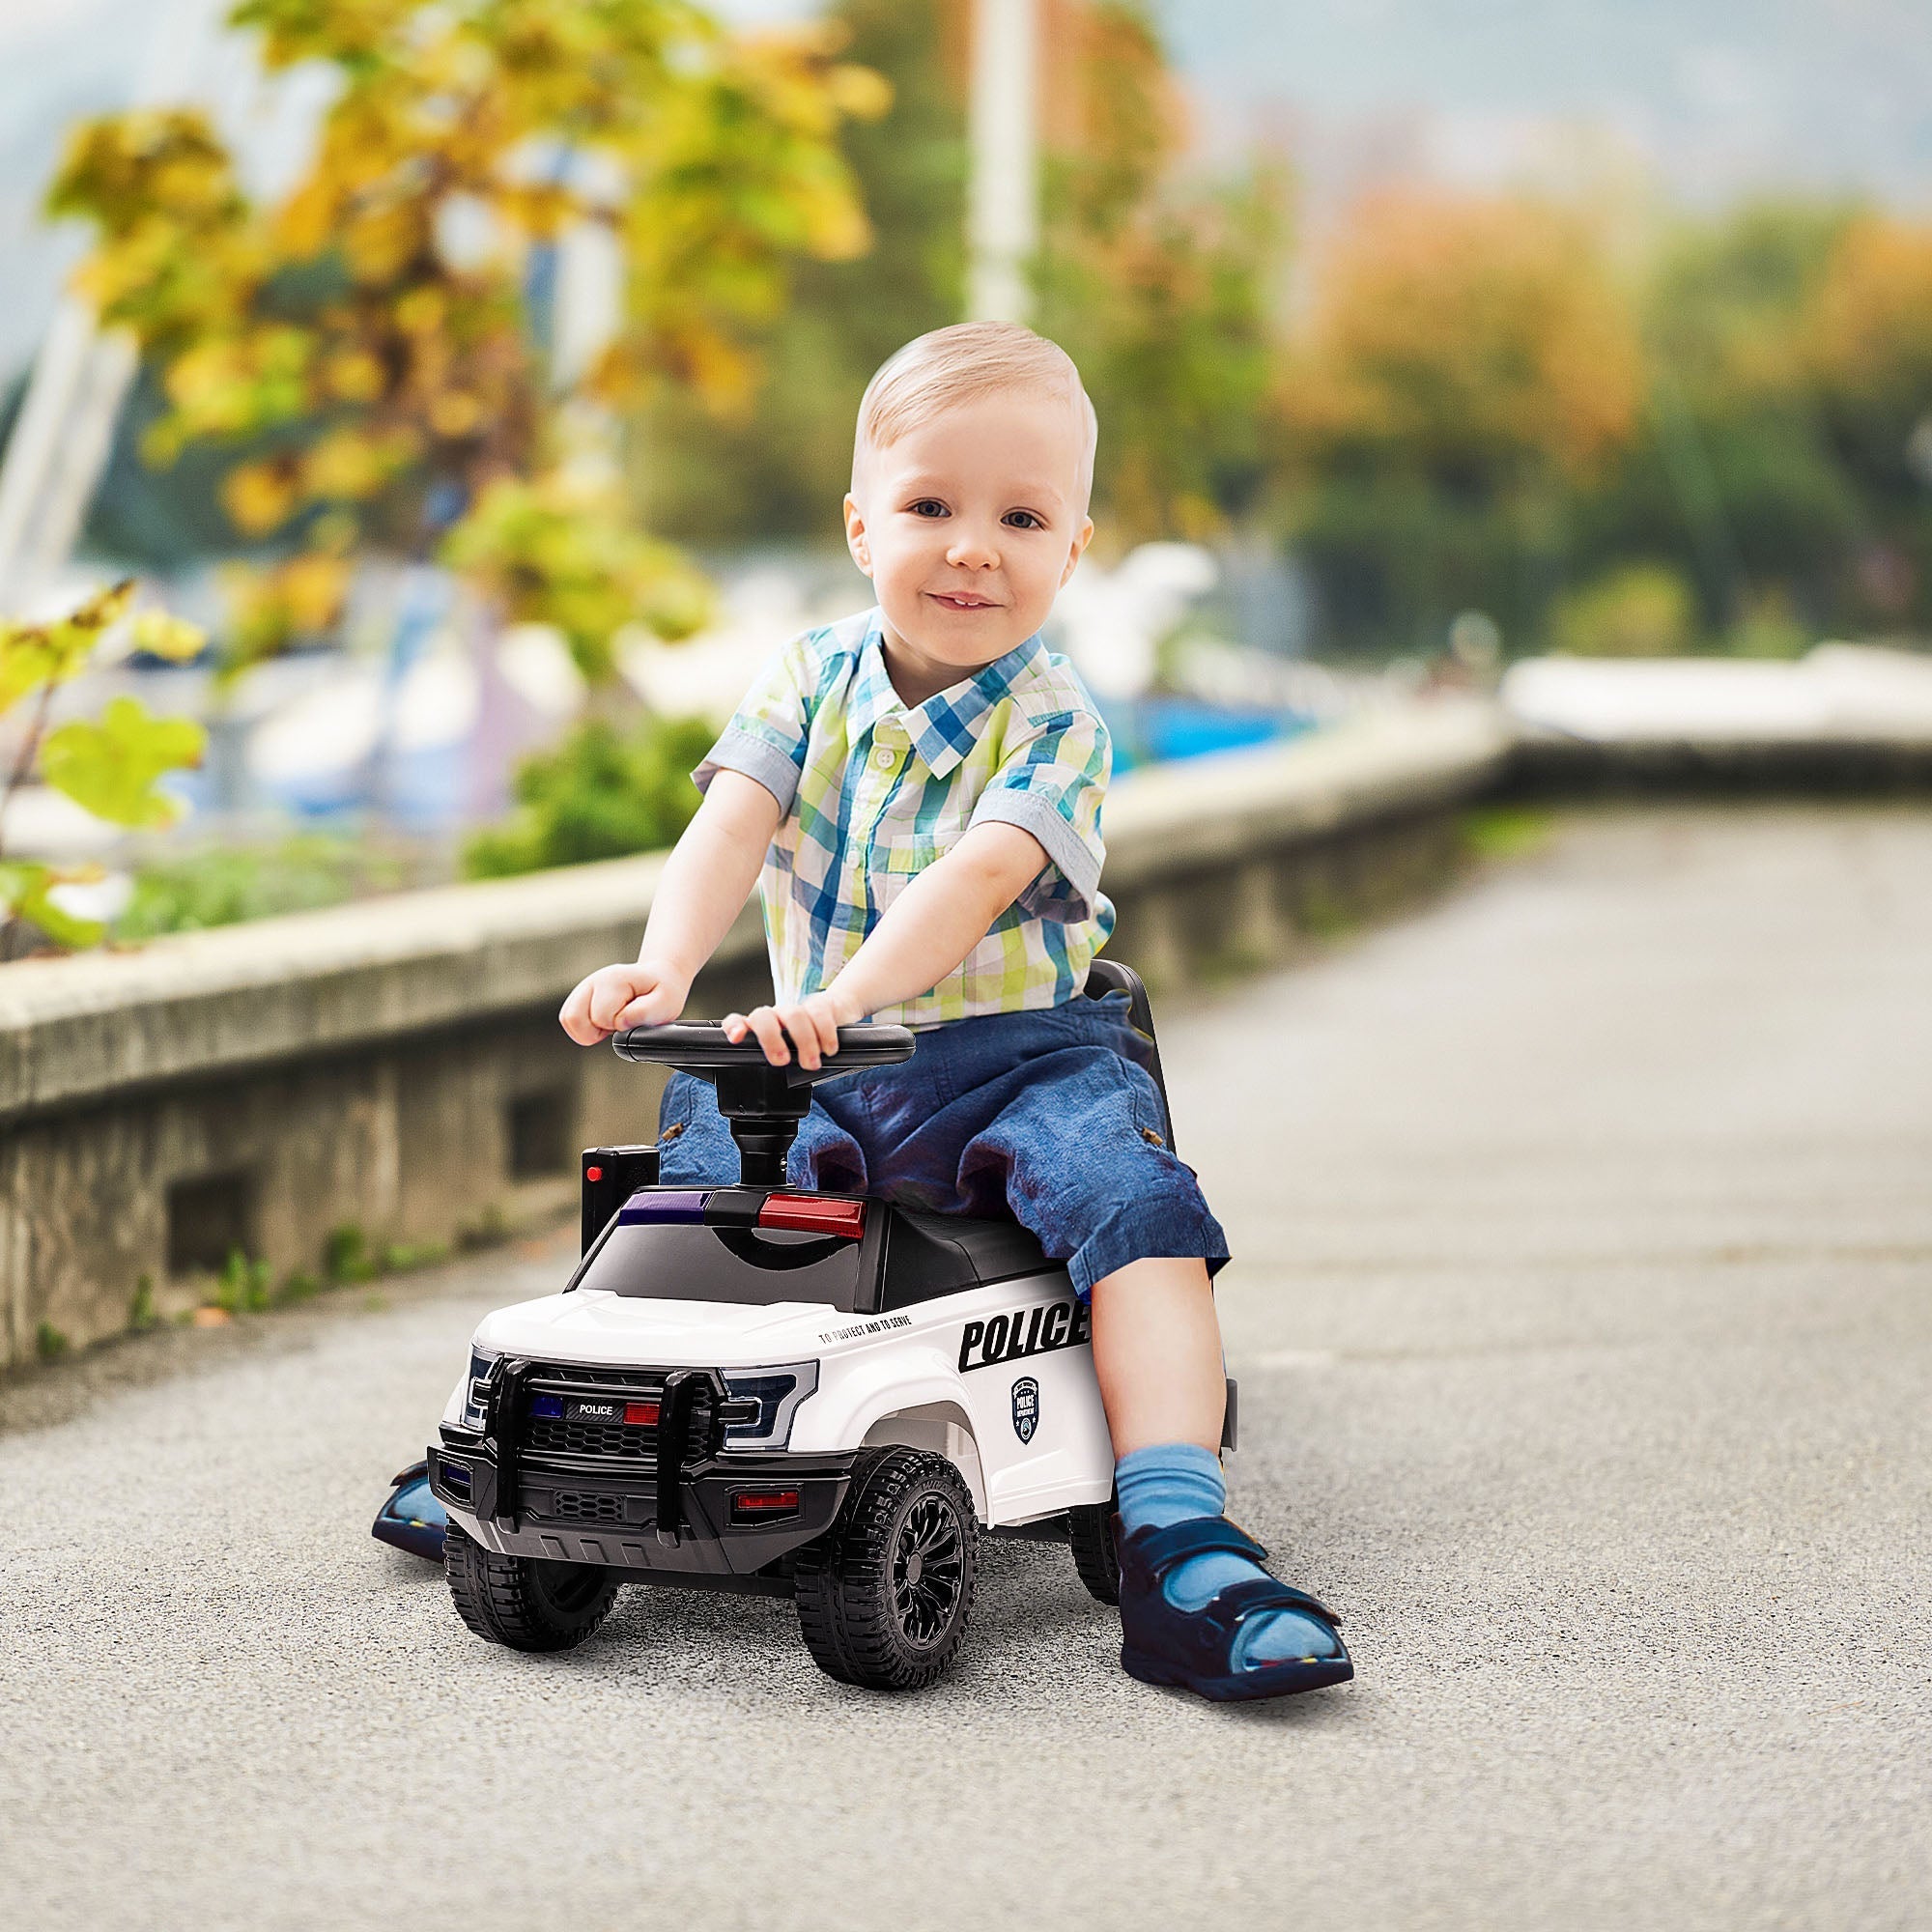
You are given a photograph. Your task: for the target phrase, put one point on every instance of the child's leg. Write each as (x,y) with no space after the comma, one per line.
(1158,1354)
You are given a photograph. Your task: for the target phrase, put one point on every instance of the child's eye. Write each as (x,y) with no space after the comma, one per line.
(928,507)
(1023,519)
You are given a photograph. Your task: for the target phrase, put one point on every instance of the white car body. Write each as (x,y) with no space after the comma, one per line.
(951,1375)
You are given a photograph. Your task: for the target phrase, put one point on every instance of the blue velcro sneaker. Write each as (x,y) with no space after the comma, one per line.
(1198,1650)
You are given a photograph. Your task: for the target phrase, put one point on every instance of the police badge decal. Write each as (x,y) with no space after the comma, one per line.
(1026,1407)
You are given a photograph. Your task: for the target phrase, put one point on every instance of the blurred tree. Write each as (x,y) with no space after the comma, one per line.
(1732,479)
(1637,611)
(361,349)
(1466,366)
(1159,287)
(1869,341)
(1158,284)
(780,470)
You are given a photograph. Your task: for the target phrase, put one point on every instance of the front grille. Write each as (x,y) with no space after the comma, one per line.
(605,1441)
(588,1439)
(580,1506)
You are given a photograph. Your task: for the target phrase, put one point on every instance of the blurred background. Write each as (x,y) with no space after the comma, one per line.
(469,389)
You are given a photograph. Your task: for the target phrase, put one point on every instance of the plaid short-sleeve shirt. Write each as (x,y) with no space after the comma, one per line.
(872,793)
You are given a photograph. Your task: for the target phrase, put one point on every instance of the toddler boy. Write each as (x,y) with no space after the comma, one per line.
(921,787)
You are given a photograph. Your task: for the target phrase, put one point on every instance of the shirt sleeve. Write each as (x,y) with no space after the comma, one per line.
(1051,783)
(766,737)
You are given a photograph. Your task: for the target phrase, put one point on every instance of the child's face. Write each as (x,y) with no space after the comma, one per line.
(968,525)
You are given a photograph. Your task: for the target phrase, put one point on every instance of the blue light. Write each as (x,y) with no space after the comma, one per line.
(547,1404)
(648,1206)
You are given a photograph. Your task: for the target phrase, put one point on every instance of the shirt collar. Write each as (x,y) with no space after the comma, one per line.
(943,728)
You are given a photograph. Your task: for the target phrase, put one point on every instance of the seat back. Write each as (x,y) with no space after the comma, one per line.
(1110,975)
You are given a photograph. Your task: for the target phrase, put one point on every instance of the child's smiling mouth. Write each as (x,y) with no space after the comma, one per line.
(962,600)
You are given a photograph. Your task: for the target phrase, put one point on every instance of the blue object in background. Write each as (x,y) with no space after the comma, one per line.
(413,1518)
(1158,731)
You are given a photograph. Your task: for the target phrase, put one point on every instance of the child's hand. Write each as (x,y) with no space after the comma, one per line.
(813,1024)
(648,993)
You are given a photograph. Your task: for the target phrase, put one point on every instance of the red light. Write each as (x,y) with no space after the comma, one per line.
(813,1214)
(593,1174)
(765,1499)
(645,1413)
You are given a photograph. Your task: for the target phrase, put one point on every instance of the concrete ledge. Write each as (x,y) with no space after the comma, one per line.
(394,1070)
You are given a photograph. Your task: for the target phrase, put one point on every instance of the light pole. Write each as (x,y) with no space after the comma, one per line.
(1003,198)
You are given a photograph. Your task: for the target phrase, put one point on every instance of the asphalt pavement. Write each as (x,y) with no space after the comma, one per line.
(1582,1308)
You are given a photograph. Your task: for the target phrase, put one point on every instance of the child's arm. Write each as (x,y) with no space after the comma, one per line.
(925,933)
(704,884)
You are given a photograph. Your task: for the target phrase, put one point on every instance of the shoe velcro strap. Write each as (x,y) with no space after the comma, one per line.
(1160,1549)
(1257,1596)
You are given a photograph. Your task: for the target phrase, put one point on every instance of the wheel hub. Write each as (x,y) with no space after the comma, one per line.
(928,1571)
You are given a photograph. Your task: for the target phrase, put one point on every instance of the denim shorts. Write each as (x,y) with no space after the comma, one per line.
(1049,1115)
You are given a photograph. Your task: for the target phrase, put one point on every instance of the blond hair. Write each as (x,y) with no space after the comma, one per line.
(947,367)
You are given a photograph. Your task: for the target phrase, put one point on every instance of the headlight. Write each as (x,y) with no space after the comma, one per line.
(476,1388)
(777,1393)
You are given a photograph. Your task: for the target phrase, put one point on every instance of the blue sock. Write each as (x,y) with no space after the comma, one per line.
(1174,1482)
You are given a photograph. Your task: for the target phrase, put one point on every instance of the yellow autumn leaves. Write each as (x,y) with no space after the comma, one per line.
(363,348)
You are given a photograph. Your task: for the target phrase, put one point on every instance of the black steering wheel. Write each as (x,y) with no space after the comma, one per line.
(701,1048)
(763,1103)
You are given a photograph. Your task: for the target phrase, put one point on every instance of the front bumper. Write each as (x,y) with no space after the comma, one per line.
(612,1516)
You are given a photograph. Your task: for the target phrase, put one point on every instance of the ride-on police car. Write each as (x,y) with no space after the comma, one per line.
(756,1388)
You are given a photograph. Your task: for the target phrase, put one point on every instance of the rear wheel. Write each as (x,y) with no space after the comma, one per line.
(527,1602)
(1096,1555)
(884,1595)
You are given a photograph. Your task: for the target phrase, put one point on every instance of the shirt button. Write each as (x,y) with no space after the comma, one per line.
(884,759)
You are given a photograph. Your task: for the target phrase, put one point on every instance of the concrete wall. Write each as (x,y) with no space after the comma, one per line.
(395,1068)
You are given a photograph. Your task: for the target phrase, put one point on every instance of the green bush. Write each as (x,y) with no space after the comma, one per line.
(603,792)
(1642,611)
(217,887)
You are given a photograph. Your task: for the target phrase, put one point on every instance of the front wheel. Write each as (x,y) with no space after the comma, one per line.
(527,1602)
(884,1595)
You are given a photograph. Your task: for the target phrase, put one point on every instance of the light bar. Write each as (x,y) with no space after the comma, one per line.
(648,1206)
(813,1214)
(642,1413)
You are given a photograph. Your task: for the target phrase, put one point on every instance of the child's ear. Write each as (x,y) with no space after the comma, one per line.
(1076,552)
(855,535)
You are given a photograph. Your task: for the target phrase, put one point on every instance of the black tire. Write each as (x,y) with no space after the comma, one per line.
(527,1602)
(884,1595)
(1090,1530)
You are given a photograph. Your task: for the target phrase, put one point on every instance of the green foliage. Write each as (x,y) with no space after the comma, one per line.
(141,1315)
(346,1258)
(298,1286)
(399,1257)
(1504,832)
(224,885)
(110,767)
(49,1343)
(554,552)
(1638,610)
(242,1287)
(601,793)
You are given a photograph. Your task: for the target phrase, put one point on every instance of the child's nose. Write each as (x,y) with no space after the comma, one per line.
(973,548)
